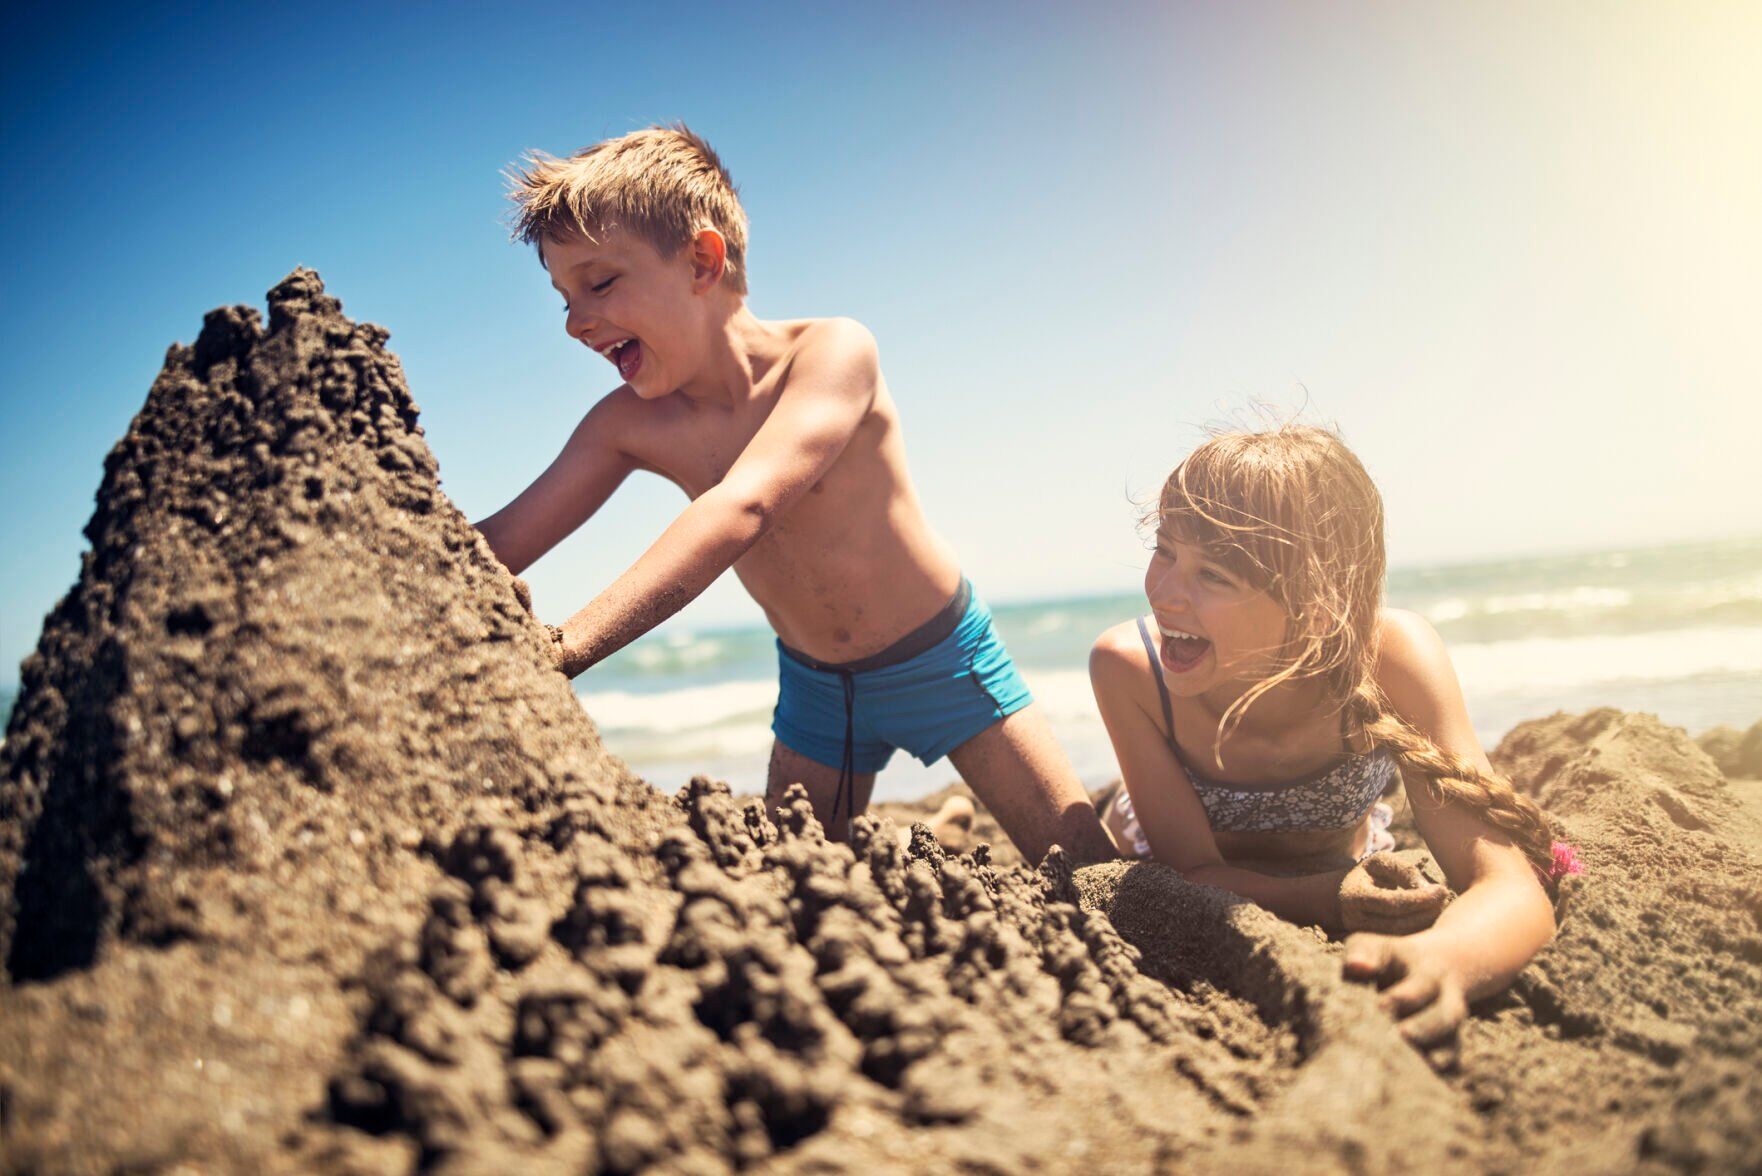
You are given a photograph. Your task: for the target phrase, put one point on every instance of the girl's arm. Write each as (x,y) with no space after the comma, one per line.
(1503,917)
(1168,808)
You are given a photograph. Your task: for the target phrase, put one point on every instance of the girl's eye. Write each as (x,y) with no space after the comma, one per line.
(1214,577)
(604,286)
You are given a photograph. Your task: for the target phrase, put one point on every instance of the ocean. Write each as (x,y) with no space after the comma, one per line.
(1675,630)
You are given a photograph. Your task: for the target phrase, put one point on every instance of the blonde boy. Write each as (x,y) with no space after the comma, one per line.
(783,435)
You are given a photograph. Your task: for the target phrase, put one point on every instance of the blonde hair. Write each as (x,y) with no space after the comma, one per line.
(663,183)
(1292,511)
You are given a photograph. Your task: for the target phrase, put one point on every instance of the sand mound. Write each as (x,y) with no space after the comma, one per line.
(1736,753)
(307,860)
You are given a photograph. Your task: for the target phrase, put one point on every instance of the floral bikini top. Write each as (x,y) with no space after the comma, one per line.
(1334,798)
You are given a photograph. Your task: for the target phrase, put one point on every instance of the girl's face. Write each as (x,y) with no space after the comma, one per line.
(1216,629)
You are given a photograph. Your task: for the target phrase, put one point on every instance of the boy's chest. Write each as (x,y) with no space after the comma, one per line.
(696,454)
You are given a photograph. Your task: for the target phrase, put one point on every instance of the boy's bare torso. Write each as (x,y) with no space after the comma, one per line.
(852,565)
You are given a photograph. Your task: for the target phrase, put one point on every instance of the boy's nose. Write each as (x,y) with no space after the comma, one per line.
(579,325)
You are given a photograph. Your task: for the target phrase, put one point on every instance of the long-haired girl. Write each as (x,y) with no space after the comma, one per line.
(1263,707)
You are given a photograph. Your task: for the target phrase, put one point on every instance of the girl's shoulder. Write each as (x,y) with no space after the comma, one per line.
(1117,660)
(1120,646)
(1413,667)
(1405,637)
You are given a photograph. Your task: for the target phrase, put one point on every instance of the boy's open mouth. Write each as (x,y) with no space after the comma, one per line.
(1181,650)
(626,354)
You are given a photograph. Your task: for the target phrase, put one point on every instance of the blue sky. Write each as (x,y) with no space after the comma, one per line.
(1511,249)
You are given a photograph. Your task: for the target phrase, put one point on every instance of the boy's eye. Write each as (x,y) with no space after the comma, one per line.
(1214,577)
(602,287)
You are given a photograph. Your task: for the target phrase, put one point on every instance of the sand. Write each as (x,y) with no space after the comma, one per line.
(309,861)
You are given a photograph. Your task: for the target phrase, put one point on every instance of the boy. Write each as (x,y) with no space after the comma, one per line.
(785,438)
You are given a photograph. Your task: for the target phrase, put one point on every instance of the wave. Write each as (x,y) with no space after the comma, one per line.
(1537,663)
(733,718)
(688,708)
(1455,608)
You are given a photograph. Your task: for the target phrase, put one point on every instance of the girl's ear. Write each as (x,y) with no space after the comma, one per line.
(709,259)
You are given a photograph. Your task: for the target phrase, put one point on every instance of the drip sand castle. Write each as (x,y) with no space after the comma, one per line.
(308,861)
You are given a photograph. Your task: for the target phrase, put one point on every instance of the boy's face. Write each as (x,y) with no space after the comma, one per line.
(638,309)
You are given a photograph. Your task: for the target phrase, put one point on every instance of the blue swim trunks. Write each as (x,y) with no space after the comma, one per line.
(929,692)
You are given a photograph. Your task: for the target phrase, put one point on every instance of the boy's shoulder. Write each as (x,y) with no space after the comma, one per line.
(835,332)
(834,342)
(831,357)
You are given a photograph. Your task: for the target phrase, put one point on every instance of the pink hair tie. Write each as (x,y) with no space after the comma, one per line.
(1566,861)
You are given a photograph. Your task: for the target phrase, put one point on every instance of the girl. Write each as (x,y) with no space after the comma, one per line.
(1268,699)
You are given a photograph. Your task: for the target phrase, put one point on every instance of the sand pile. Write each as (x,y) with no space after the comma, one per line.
(307,860)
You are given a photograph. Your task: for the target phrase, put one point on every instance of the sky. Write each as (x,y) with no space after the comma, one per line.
(1512,250)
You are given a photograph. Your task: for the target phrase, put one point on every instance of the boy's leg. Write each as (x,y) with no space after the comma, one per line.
(791,767)
(1018,770)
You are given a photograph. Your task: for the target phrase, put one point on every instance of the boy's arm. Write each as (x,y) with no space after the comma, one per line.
(574,486)
(827,393)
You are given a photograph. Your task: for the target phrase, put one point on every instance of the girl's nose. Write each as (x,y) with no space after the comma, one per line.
(1163,585)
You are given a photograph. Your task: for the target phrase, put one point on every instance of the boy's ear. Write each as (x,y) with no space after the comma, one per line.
(709,258)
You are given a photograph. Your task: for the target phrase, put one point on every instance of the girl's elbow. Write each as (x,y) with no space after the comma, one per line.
(1201,873)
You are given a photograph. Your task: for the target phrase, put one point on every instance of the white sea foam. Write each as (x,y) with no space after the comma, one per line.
(1064,695)
(746,741)
(1048,622)
(1537,663)
(688,708)
(1574,600)
(675,651)
(725,727)
(1666,605)
(1528,664)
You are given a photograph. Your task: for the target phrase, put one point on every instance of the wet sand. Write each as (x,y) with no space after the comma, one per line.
(308,861)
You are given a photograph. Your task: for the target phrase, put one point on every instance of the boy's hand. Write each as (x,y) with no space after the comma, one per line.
(1389,896)
(1426,996)
(553,646)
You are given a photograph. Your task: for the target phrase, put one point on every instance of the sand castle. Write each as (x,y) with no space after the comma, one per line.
(308,861)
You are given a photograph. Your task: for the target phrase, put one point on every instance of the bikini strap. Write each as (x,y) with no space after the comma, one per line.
(1162,688)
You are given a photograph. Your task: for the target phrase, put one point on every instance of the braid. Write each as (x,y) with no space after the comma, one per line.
(1452,779)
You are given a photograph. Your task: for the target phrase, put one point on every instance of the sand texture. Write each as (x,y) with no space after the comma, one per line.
(309,861)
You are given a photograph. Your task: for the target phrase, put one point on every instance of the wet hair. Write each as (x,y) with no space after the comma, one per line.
(1292,512)
(663,183)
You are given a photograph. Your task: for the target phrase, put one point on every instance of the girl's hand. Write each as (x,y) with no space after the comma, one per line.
(1420,989)
(1389,896)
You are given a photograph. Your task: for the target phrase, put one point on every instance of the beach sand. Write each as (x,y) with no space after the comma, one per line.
(308,861)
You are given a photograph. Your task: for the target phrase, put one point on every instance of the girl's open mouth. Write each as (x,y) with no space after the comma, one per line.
(1181,651)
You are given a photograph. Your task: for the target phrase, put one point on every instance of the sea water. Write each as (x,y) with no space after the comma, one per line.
(1676,631)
